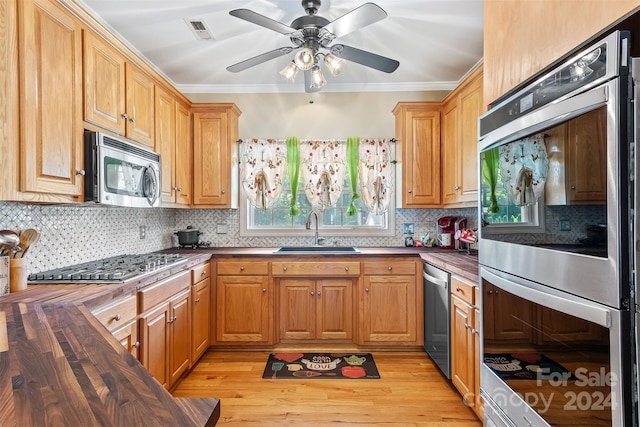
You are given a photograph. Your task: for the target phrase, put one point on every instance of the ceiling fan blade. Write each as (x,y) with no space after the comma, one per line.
(267,56)
(263,21)
(359,17)
(365,58)
(307,83)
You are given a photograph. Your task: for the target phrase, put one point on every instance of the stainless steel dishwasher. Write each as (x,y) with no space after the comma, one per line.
(437,323)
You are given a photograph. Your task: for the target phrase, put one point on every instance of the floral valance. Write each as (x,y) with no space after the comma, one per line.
(523,168)
(263,164)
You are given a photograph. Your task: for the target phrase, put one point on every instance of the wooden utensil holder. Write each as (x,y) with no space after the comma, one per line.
(17,275)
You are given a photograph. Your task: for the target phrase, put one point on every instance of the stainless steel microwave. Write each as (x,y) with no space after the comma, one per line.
(119,173)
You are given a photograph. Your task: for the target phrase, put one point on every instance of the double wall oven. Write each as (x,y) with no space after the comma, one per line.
(557,245)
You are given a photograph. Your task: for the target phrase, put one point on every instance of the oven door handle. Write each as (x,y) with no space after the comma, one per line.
(435,280)
(548,297)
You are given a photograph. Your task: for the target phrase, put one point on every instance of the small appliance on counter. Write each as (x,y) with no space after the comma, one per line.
(446,228)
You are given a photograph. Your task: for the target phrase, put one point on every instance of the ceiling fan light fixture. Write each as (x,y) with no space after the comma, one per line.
(290,71)
(317,78)
(334,64)
(304,59)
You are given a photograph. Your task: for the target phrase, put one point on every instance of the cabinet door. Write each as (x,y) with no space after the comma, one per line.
(211,145)
(418,129)
(470,106)
(245,309)
(297,314)
(183,156)
(128,337)
(165,142)
(478,406)
(334,309)
(462,350)
(180,336)
(154,343)
(104,84)
(554,326)
(139,105)
(201,297)
(586,151)
(51,99)
(389,310)
(450,151)
(503,326)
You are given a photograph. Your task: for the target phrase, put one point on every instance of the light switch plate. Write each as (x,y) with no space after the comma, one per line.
(565,225)
(222,229)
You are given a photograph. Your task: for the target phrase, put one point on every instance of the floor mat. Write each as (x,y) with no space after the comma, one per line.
(321,365)
(525,366)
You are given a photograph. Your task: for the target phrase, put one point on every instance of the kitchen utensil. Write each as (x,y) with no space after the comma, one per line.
(275,367)
(8,240)
(188,237)
(27,238)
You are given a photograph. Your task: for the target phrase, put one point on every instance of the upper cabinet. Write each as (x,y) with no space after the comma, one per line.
(118,95)
(418,135)
(538,34)
(50,103)
(215,135)
(460,113)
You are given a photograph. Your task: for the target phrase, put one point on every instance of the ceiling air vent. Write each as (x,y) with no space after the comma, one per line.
(199,29)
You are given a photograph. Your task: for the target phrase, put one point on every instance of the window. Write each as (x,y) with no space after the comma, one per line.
(277,220)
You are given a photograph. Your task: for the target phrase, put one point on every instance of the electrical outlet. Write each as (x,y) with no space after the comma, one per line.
(143,232)
(222,229)
(565,225)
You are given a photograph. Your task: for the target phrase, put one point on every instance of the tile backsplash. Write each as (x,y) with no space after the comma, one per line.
(71,234)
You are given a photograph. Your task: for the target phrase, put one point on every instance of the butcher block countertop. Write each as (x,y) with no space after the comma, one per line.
(60,366)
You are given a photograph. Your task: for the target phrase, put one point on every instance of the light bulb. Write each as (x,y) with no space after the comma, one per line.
(317,79)
(334,64)
(290,71)
(304,59)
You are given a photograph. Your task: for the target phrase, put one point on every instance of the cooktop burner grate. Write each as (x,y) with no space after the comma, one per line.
(116,269)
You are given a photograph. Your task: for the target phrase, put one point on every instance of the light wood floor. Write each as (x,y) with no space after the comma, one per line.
(411,392)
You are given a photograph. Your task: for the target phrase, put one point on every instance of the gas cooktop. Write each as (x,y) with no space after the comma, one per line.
(116,269)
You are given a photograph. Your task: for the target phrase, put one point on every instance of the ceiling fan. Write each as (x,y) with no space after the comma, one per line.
(312,36)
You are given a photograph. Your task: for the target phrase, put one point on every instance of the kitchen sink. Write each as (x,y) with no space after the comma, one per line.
(317,249)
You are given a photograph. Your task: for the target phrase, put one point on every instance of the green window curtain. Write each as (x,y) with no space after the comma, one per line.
(490,164)
(293,167)
(353,158)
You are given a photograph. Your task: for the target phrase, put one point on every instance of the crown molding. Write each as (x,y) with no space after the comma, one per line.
(331,87)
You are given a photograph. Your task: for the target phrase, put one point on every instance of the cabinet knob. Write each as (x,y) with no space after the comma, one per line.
(467,326)
(475,332)
(179,189)
(456,188)
(366,289)
(311,293)
(81,172)
(346,269)
(390,268)
(222,191)
(490,292)
(242,268)
(264,290)
(136,344)
(410,191)
(573,187)
(197,300)
(204,273)
(124,115)
(284,268)
(117,317)
(132,120)
(319,293)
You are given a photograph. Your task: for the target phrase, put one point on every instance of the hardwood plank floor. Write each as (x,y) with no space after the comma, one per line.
(410,392)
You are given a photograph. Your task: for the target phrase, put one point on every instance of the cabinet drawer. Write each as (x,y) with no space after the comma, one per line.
(201,272)
(117,314)
(334,268)
(463,290)
(248,267)
(389,267)
(161,292)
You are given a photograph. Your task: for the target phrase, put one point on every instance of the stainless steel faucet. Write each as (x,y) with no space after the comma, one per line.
(308,226)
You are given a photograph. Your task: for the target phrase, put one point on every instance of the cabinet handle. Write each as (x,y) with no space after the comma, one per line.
(117,317)
(170,320)
(456,188)
(311,293)
(467,326)
(242,268)
(81,172)
(264,290)
(319,293)
(284,268)
(124,115)
(459,290)
(366,289)
(136,344)
(197,300)
(346,269)
(390,268)
(475,332)
(204,273)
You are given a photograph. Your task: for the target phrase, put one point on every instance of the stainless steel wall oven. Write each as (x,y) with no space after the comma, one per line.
(556,247)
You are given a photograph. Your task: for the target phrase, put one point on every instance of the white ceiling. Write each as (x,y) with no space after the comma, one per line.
(436,41)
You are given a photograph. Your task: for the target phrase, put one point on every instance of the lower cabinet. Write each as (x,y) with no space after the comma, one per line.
(244,297)
(465,342)
(391,303)
(165,328)
(120,318)
(315,309)
(201,309)
(128,337)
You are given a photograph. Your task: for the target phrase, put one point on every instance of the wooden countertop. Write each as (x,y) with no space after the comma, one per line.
(457,263)
(60,366)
